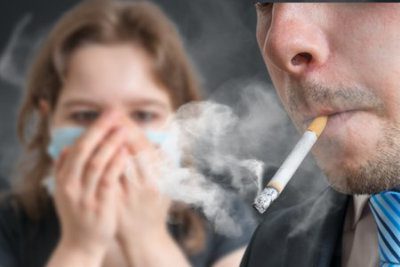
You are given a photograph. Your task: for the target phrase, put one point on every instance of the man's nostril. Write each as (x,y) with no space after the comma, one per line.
(301,58)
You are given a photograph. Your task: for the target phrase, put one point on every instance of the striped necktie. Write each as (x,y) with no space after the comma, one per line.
(385,207)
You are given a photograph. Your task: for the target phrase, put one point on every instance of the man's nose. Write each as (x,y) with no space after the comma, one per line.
(296,41)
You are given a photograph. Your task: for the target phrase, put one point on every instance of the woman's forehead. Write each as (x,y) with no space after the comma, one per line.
(112,72)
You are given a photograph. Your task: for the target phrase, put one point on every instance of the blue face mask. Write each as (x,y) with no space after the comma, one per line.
(66,136)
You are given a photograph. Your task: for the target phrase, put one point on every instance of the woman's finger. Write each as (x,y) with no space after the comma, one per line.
(97,164)
(131,175)
(137,141)
(61,159)
(147,167)
(106,187)
(85,146)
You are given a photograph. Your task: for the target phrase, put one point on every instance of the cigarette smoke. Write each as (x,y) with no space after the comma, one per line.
(222,143)
(17,54)
(217,172)
(19,51)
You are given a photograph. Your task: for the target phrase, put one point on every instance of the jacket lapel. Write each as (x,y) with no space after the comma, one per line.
(316,238)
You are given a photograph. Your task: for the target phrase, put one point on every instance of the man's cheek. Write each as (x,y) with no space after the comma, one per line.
(290,109)
(260,34)
(278,81)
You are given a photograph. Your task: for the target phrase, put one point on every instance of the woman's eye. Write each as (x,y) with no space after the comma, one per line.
(84,117)
(144,116)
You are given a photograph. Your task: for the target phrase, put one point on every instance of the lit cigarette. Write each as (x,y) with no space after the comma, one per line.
(290,165)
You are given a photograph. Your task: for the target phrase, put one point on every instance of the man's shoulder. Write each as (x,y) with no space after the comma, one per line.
(281,221)
(312,209)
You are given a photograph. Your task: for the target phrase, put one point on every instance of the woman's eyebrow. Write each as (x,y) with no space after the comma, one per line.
(135,102)
(148,102)
(78,102)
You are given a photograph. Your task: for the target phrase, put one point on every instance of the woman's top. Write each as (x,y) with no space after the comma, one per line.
(28,243)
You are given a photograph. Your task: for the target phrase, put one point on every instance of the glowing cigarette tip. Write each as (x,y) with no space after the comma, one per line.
(290,165)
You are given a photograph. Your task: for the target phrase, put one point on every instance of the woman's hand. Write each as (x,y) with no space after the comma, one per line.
(87,177)
(143,210)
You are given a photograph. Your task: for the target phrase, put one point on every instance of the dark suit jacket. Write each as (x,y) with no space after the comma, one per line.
(305,235)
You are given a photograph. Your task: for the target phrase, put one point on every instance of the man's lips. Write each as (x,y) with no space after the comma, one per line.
(331,114)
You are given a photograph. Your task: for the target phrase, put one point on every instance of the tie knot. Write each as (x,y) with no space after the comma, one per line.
(385,207)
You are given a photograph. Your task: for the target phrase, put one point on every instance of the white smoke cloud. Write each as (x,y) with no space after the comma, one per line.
(19,51)
(202,128)
(223,143)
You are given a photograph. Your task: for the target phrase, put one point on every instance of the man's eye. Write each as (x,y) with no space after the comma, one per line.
(262,5)
(262,2)
(144,116)
(84,117)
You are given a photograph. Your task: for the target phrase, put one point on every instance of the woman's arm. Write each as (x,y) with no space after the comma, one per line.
(72,255)
(156,249)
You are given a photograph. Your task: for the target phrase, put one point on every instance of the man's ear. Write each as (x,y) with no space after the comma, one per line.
(44,107)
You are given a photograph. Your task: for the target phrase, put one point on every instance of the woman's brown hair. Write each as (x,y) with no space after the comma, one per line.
(100,22)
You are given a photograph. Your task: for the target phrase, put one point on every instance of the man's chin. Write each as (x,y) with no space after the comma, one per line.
(344,188)
(361,181)
(343,184)
(368,166)
(348,176)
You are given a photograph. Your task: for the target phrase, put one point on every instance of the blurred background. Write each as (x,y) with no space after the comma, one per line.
(220,38)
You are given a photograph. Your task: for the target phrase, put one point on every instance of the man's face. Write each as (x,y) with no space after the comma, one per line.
(340,60)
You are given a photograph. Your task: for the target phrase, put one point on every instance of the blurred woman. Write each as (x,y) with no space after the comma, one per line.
(115,69)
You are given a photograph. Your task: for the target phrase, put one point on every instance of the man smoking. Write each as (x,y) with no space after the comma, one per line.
(339,60)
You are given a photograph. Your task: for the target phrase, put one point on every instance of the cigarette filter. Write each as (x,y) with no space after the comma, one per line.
(290,165)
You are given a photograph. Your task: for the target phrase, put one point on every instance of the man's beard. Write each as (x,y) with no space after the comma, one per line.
(382,170)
